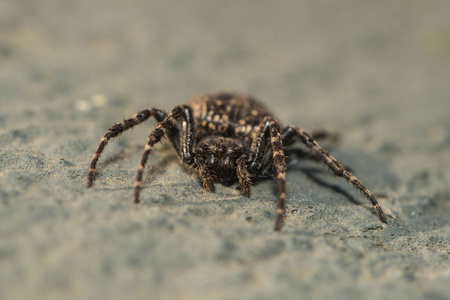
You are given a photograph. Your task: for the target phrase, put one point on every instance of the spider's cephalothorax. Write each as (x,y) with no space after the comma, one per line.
(228,137)
(220,159)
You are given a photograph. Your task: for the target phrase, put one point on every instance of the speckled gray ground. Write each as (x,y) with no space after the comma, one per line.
(377,72)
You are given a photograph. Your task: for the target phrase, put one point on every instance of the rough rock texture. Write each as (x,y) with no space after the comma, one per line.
(376,72)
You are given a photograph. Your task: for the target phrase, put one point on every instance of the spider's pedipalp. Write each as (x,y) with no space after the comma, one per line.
(338,169)
(118,129)
(206,176)
(243,176)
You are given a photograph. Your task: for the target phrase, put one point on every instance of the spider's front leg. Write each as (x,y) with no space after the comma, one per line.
(338,169)
(118,129)
(270,134)
(168,125)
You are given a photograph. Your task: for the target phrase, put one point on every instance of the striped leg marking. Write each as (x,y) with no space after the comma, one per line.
(270,135)
(166,125)
(279,163)
(243,176)
(206,177)
(339,170)
(118,129)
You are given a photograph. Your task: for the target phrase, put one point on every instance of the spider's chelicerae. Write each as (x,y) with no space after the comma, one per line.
(228,137)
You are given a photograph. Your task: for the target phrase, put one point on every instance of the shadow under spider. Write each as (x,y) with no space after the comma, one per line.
(117,157)
(153,170)
(311,174)
(294,158)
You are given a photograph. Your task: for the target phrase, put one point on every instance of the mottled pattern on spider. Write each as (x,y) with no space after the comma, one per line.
(228,137)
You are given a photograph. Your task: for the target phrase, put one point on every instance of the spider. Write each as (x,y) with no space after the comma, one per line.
(228,137)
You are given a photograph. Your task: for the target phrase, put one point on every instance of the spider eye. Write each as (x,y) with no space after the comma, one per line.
(228,162)
(253,167)
(211,160)
(189,159)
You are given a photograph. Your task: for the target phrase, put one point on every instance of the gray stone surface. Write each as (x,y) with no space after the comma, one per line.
(376,72)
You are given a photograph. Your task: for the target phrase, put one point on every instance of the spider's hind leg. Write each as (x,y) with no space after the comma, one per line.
(118,129)
(336,167)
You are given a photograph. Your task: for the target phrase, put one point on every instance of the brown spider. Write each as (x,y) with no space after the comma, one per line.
(228,137)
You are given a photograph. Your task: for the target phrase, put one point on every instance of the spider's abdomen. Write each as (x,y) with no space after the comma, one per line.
(227,114)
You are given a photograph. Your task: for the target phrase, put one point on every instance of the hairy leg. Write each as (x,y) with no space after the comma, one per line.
(336,167)
(207,178)
(168,126)
(243,176)
(118,129)
(270,136)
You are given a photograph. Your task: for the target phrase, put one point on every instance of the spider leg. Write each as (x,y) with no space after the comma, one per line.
(243,176)
(118,129)
(279,162)
(335,166)
(270,128)
(188,136)
(261,160)
(258,147)
(169,126)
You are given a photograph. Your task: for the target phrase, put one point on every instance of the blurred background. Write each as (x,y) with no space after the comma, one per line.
(338,60)
(375,72)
